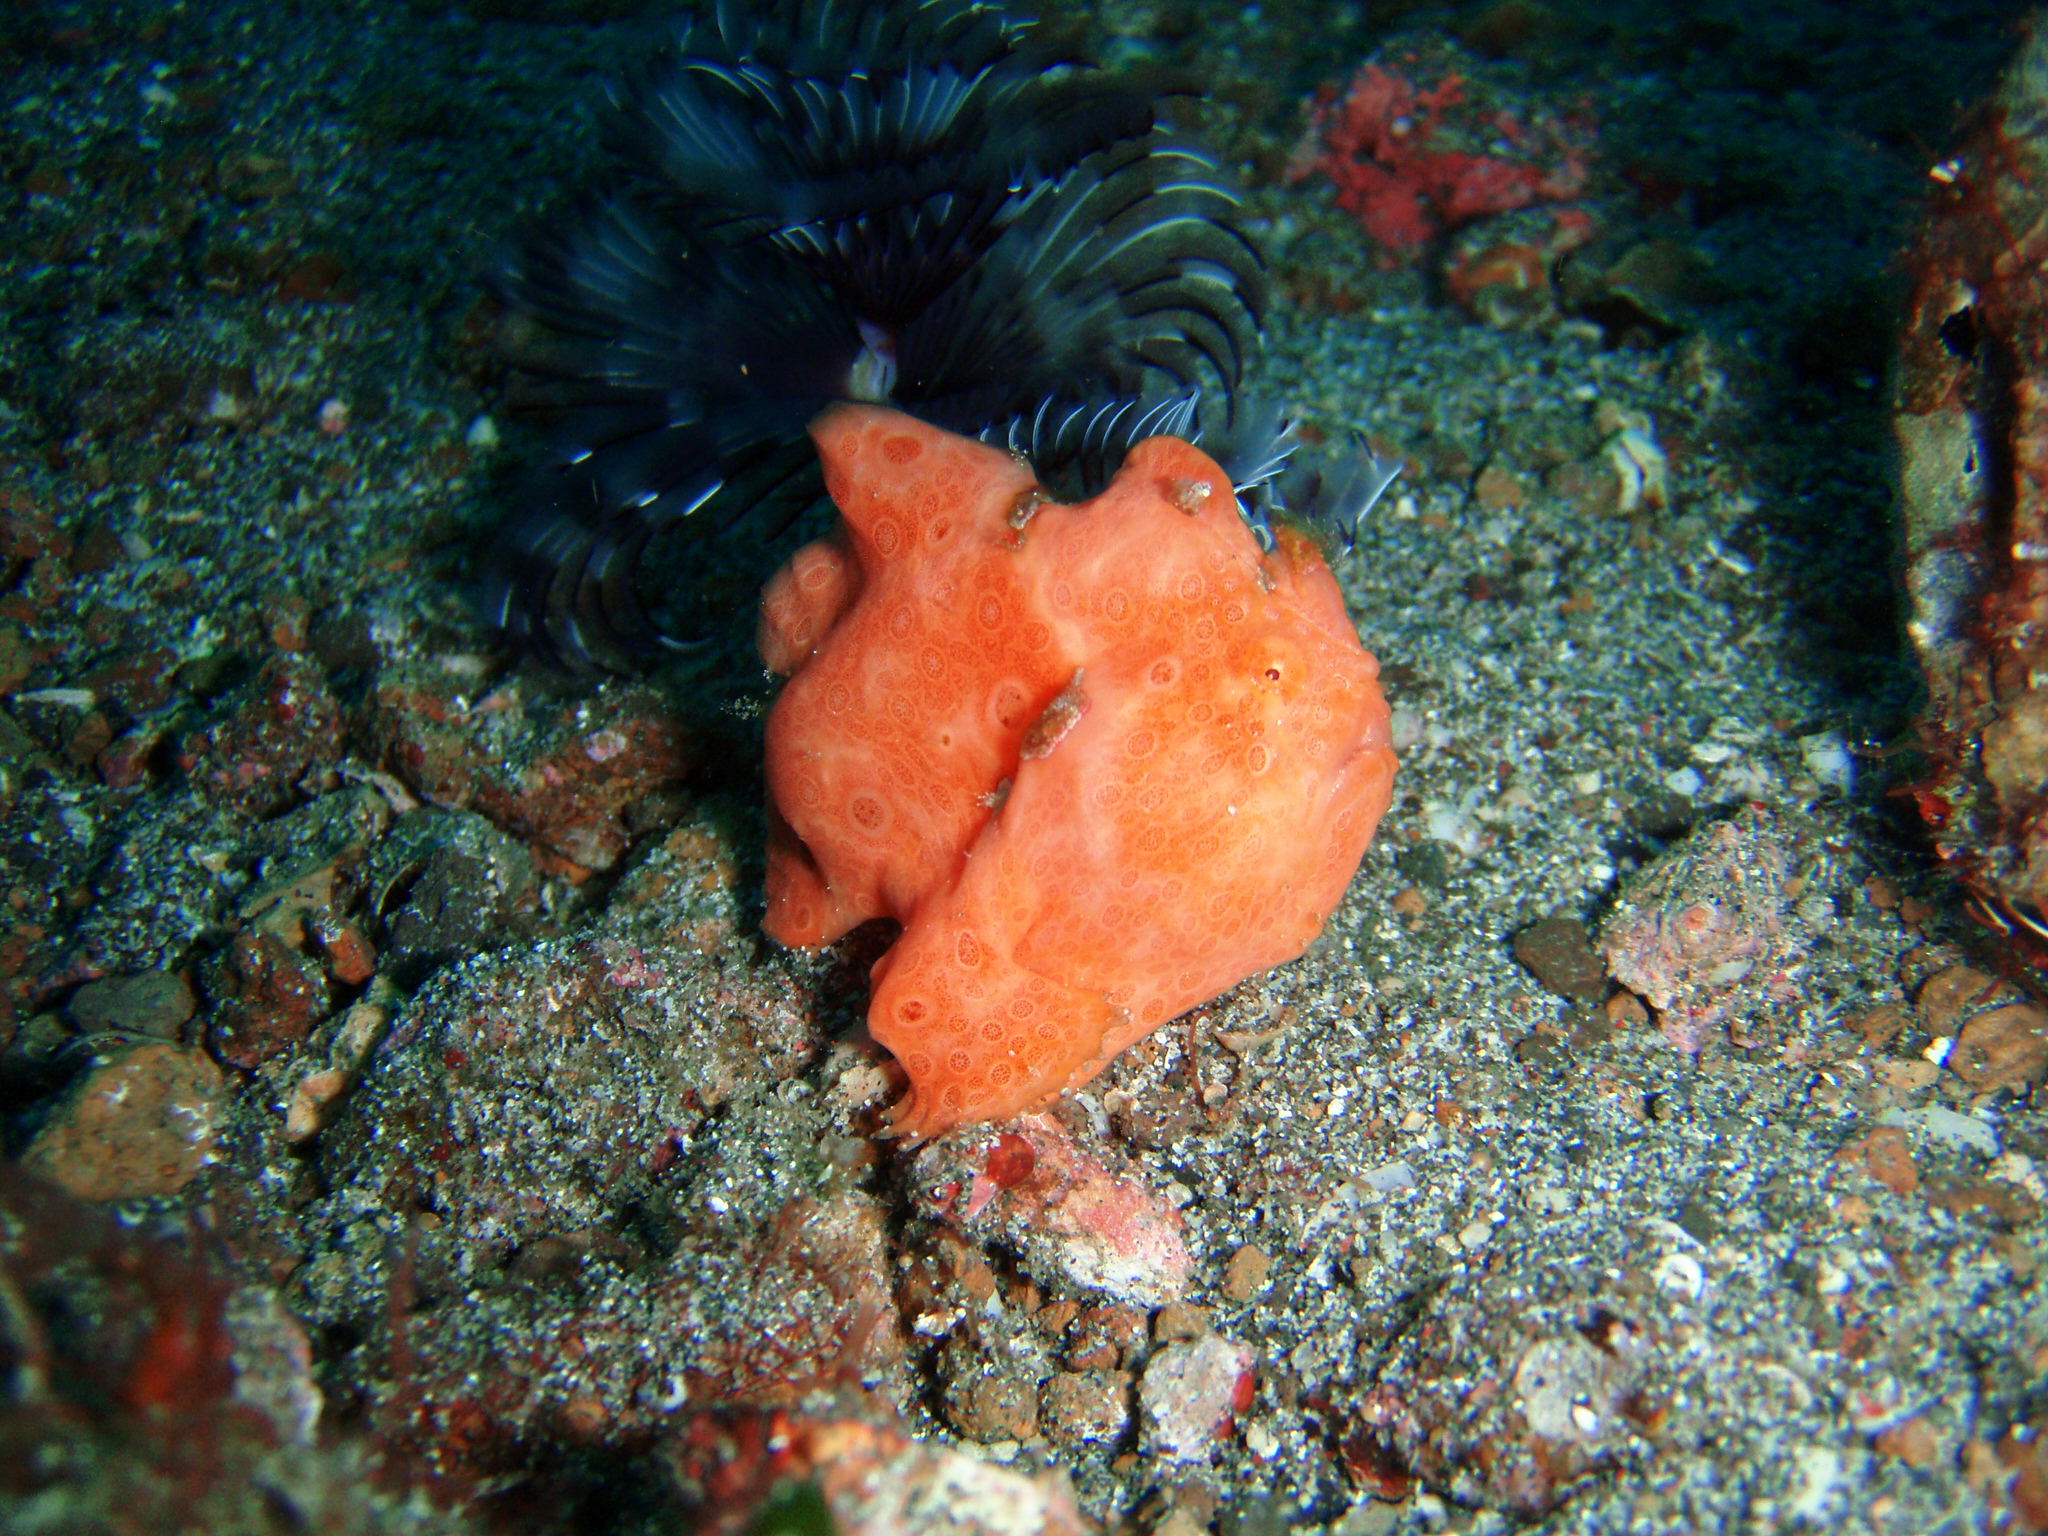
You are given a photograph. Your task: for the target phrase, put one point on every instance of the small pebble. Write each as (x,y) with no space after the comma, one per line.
(1086,1407)
(141,1122)
(314,1101)
(146,1003)
(1179,1322)
(2005,1050)
(1190,1395)
(1261,1442)
(1246,1274)
(1684,781)
(1558,952)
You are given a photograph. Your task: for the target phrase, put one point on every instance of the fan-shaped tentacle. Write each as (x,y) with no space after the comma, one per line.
(925,200)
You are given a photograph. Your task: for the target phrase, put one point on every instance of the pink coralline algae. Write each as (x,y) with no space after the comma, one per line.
(1414,161)
(1067,1208)
(1192,1393)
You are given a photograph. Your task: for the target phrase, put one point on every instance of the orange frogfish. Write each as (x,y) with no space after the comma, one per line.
(1102,761)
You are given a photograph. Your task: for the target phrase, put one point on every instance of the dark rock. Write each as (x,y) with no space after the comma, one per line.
(1558,952)
(148,1003)
(446,885)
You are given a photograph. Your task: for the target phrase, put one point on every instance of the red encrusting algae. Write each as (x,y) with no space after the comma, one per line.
(1412,161)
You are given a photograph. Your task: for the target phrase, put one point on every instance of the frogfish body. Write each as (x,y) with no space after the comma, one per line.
(1102,761)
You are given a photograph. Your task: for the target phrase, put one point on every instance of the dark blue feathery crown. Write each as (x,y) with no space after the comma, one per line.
(925,202)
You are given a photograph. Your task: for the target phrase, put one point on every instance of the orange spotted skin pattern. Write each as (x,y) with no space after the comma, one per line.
(1101,761)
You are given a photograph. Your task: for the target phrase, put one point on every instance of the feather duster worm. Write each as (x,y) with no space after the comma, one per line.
(921,202)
